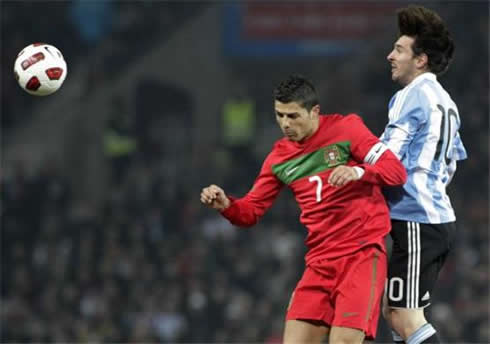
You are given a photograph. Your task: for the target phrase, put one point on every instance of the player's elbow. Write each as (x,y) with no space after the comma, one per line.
(400,174)
(245,221)
(243,224)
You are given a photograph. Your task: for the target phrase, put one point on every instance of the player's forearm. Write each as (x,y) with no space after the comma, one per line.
(246,211)
(240,213)
(387,171)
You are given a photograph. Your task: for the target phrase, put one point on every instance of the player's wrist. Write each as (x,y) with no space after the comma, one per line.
(226,205)
(359,171)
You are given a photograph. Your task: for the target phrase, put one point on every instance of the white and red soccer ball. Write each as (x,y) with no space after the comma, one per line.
(40,69)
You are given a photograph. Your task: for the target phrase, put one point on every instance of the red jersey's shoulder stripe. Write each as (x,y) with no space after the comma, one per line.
(312,163)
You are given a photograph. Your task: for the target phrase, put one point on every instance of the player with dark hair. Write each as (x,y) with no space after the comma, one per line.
(335,167)
(423,132)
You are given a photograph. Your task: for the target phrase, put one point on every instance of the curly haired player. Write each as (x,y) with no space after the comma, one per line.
(423,132)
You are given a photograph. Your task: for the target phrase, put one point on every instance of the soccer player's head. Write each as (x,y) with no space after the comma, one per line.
(424,45)
(296,107)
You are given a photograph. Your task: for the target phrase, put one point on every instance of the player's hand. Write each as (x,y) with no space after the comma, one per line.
(214,197)
(342,175)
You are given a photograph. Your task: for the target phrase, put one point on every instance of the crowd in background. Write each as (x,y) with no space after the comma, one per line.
(150,264)
(106,36)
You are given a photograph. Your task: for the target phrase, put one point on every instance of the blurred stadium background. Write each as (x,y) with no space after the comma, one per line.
(103,238)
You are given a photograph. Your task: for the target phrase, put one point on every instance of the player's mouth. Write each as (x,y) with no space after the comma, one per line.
(289,134)
(394,72)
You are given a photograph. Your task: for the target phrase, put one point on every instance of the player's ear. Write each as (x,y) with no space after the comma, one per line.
(422,61)
(315,110)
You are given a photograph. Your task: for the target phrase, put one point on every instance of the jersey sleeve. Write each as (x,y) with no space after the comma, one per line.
(365,146)
(380,165)
(246,211)
(458,152)
(406,115)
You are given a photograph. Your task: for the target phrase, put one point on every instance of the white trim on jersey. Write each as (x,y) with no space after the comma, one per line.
(397,106)
(451,168)
(428,151)
(400,100)
(423,133)
(420,179)
(375,153)
(398,138)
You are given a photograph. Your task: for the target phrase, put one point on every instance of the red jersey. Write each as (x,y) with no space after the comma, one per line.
(340,220)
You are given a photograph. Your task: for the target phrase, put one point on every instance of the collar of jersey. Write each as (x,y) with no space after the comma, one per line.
(423,76)
(304,142)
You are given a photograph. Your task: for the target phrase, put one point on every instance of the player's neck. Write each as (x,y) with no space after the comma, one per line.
(314,129)
(415,76)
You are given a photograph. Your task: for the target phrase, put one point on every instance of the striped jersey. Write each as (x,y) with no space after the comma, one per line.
(423,132)
(339,220)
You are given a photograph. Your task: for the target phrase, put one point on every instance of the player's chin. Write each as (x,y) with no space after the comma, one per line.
(291,136)
(395,76)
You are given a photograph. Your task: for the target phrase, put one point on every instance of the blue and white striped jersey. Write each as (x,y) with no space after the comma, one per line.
(423,132)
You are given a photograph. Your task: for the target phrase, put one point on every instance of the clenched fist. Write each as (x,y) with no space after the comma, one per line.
(214,197)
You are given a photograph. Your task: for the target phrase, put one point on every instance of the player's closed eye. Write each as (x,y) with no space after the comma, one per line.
(288,115)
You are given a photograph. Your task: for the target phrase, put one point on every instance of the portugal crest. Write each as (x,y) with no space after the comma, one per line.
(332,155)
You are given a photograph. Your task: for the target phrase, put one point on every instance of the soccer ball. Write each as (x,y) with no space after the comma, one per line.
(40,69)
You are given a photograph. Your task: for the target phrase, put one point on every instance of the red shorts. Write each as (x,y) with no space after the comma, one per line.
(344,291)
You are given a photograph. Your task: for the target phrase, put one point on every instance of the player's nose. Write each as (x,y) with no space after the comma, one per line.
(390,56)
